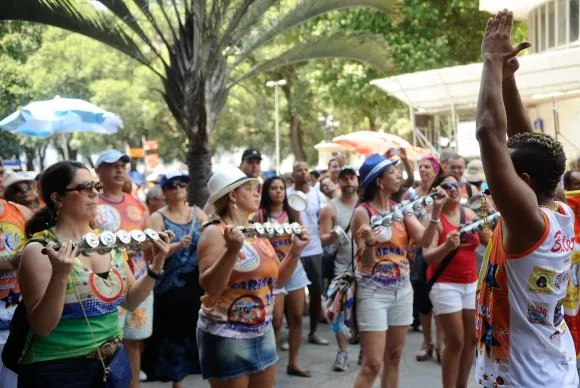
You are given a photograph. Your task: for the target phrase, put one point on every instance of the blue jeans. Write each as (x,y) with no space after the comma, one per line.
(68,373)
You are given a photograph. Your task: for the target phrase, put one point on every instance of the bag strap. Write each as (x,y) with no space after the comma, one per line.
(106,370)
(447,259)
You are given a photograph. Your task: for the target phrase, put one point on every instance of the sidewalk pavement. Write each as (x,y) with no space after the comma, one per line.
(319,360)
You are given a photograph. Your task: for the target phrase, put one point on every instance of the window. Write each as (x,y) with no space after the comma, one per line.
(542,28)
(562,22)
(574,20)
(551,24)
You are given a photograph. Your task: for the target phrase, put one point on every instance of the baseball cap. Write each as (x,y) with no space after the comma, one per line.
(111,156)
(251,153)
(347,170)
(173,176)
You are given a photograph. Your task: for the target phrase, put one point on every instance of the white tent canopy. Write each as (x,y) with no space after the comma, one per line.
(540,77)
(520,8)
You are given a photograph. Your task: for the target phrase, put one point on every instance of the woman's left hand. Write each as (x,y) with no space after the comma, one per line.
(161,249)
(299,242)
(440,197)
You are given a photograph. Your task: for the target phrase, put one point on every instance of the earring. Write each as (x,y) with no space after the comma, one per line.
(235,206)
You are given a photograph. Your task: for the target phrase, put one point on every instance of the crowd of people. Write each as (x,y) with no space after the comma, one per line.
(211,293)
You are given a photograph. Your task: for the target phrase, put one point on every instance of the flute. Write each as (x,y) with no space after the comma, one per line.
(269,229)
(107,241)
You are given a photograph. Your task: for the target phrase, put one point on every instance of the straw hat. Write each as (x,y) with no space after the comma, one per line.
(224,181)
(14,178)
(474,171)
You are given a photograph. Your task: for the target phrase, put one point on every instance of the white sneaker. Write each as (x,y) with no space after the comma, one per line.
(142,376)
(341,362)
(284,346)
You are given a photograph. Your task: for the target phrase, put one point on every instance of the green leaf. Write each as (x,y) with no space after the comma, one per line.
(361,47)
(76,18)
(309,9)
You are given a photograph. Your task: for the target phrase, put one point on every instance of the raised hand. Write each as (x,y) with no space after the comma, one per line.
(510,67)
(62,260)
(366,233)
(453,240)
(161,249)
(299,242)
(185,242)
(234,237)
(440,197)
(496,42)
(403,153)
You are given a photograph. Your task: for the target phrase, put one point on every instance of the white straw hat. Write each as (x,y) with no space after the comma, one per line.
(224,181)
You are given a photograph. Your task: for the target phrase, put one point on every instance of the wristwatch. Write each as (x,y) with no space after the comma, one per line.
(152,273)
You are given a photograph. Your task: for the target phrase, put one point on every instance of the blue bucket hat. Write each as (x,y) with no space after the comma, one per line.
(374,166)
(173,176)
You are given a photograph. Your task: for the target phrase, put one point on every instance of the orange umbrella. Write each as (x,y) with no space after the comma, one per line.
(369,142)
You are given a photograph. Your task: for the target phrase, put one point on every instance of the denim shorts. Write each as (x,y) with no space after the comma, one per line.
(297,281)
(228,358)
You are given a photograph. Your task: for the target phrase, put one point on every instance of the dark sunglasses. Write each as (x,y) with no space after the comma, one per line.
(449,186)
(22,187)
(2,171)
(171,185)
(87,187)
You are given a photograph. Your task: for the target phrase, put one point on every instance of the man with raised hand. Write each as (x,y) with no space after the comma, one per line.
(522,338)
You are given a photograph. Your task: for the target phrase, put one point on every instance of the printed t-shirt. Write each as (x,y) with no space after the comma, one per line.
(128,214)
(100,298)
(572,302)
(463,267)
(12,223)
(390,271)
(244,308)
(522,338)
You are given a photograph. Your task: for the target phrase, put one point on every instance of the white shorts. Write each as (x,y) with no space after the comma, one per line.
(450,298)
(378,309)
(298,280)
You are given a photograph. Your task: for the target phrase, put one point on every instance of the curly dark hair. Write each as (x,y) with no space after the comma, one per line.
(541,157)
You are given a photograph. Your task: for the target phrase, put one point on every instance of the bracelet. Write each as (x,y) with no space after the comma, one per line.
(435,221)
(153,274)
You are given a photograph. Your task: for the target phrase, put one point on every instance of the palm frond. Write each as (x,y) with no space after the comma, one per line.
(249,14)
(360,47)
(307,10)
(64,14)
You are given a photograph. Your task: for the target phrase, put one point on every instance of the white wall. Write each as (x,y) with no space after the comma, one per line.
(569,119)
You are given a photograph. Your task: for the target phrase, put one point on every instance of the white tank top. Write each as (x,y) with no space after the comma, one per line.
(344,251)
(522,338)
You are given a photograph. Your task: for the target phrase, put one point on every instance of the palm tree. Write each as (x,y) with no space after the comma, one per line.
(202,48)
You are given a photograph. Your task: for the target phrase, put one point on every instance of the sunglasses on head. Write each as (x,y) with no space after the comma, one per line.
(87,187)
(22,187)
(175,184)
(449,186)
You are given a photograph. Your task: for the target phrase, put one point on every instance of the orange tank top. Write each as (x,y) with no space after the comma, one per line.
(244,308)
(391,269)
(12,238)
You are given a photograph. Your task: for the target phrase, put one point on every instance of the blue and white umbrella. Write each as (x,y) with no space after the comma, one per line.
(61,115)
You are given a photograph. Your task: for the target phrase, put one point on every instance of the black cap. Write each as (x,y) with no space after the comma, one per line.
(251,153)
(347,170)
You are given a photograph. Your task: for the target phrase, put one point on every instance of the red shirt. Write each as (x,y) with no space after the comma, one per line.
(463,266)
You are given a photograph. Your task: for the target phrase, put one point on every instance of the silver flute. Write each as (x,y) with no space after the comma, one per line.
(271,229)
(404,210)
(106,241)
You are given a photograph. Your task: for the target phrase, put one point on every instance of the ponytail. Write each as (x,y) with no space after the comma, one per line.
(43,218)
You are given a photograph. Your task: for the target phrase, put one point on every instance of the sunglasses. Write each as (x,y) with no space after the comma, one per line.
(449,186)
(22,187)
(2,171)
(172,185)
(87,187)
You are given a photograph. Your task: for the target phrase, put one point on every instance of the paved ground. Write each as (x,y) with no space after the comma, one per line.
(320,358)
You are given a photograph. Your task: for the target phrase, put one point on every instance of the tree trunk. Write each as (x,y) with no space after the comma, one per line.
(199,163)
(296,137)
(30,153)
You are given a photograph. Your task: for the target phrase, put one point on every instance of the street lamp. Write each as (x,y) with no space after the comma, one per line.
(275,84)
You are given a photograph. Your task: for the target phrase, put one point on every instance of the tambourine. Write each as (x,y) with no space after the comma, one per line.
(107,241)
(298,201)
(268,229)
